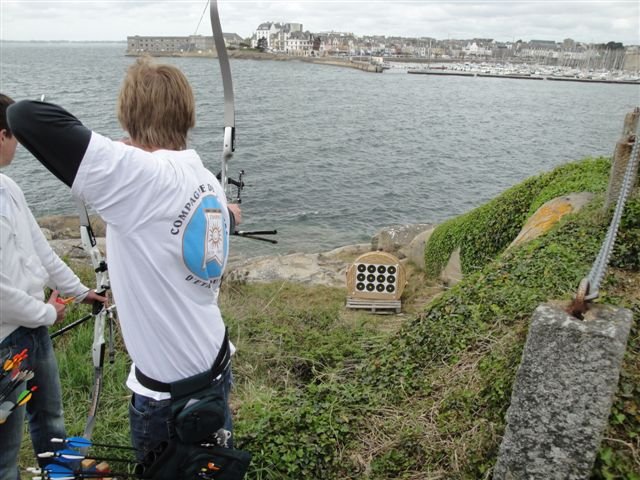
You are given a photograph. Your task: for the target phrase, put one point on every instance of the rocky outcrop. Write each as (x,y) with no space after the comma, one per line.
(71,248)
(63,234)
(549,214)
(452,273)
(68,226)
(306,268)
(329,268)
(396,238)
(415,250)
(545,218)
(407,242)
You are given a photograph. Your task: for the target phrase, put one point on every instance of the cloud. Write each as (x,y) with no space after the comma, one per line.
(582,20)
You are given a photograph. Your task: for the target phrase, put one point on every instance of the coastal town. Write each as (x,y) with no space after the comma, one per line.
(536,58)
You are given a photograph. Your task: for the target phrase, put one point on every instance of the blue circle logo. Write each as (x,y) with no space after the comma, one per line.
(205,240)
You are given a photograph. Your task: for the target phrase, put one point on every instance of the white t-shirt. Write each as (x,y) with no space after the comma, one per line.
(27,265)
(167,247)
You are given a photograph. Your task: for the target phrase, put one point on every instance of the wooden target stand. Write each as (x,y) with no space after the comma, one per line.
(375,282)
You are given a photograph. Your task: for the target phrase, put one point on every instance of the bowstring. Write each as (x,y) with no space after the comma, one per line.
(195,32)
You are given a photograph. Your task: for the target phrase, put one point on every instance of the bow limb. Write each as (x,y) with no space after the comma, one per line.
(229,144)
(99,311)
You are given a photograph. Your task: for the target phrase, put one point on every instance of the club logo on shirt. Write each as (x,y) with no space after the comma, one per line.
(204,243)
(214,237)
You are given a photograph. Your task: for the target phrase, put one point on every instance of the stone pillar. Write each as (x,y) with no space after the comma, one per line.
(563,393)
(621,157)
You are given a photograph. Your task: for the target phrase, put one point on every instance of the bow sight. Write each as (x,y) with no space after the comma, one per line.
(239,186)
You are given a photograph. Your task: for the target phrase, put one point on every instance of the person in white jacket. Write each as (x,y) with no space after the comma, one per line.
(27,265)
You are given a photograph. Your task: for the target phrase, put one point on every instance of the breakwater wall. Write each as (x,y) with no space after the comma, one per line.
(521,77)
(338,62)
(256,55)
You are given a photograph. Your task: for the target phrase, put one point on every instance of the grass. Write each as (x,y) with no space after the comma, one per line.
(325,392)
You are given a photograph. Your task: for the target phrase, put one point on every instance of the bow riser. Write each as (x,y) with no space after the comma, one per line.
(99,311)
(228,148)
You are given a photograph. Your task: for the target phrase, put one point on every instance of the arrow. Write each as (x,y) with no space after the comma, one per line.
(25,396)
(21,376)
(60,472)
(11,363)
(8,407)
(73,455)
(65,454)
(17,377)
(81,442)
(68,300)
(57,476)
(70,326)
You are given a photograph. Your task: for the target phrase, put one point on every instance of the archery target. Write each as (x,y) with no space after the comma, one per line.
(371,277)
(376,275)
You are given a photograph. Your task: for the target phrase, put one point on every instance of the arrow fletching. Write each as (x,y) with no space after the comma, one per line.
(82,443)
(25,396)
(14,362)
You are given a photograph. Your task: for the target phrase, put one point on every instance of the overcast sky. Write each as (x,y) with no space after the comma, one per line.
(586,21)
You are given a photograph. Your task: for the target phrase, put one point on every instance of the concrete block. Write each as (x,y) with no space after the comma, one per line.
(563,393)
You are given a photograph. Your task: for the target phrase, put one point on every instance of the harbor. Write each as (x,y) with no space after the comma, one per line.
(613,80)
(516,71)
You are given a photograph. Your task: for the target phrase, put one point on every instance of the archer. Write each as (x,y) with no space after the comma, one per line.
(172,326)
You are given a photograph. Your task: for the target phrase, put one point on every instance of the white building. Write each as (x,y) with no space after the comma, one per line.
(265,30)
(474,50)
(299,44)
(275,34)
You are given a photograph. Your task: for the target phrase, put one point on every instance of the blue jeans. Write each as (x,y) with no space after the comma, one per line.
(44,409)
(151,423)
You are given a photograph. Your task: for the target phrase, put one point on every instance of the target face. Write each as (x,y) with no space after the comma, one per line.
(376,278)
(376,275)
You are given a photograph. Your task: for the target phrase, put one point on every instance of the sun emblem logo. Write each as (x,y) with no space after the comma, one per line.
(213,248)
(215,236)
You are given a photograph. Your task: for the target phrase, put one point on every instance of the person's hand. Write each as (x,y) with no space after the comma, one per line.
(60,307)
(92,297)
(234,208)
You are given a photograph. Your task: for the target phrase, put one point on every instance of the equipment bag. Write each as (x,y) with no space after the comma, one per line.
(197,450)
(198,415)
(175,460)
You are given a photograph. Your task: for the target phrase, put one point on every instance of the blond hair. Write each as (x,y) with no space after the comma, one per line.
(156,105)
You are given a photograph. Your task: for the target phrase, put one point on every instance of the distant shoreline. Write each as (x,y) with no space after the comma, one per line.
(123,42)
(256,55)
(359,63)
(376,68)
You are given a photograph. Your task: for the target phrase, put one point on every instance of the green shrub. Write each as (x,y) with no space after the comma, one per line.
(487,230)
(325,393)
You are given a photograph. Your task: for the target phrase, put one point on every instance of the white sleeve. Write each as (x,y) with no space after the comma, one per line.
(16,306)
(111,178)
(61,277)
